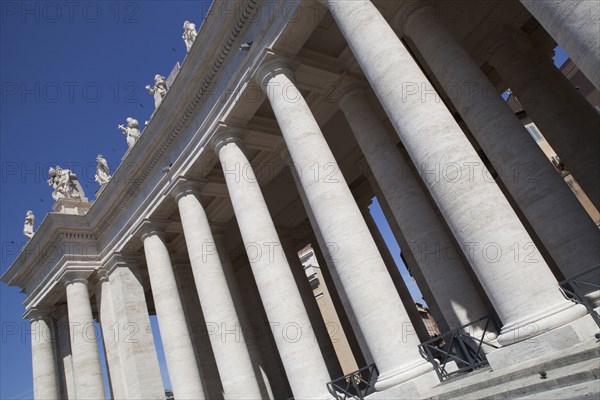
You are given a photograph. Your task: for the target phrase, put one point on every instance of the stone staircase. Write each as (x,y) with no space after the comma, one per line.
(580,367)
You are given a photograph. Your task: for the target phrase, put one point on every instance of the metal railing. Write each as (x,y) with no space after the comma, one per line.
(582,286)
(458,346)
(356,385)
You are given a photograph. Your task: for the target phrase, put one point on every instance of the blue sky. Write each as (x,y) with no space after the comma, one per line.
(70,73)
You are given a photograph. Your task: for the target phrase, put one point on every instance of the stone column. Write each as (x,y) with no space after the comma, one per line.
(65,357)
(253,349)
(130,333)
(441,266)
(228,342)
(177,344)
(318,325)
(108,324)
(84,348)
(46,385)
(359,265)
(555,214)
(477,212)
(564,116)
(301,356)
(401,288)
(575,25)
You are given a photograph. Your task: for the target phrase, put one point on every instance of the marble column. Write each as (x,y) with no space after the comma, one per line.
(46,385)
(65,357)
(563,115)
(177,344)
(401,288)
(575,25)
(438,261)
(129,334)
(84,347)
(318,327)
(108,324)
(485,226)
(358,264)
(555,214)
(300,354)
(228,342)
(256,355)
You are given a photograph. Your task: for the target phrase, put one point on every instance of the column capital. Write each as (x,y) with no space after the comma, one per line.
(415,8)
(40,312)
(75,275)
(224,135)
(271,67)
(348,92)
(151,228)
(504,36)
(184,187)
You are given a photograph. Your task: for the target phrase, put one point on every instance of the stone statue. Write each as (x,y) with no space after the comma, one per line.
(65,185)
(131,132)
(189,34)
(159,90)
(102,171)
(28,226)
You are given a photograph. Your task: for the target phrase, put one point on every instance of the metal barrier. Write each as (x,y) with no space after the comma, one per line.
(578,288)
(356,385)
(458,346)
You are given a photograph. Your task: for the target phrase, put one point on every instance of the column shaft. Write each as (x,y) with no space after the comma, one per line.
(86,358)
(301,356)
(108,324)
(177,344)
(437,259)
(555,214)
(45,377)
(564,116)
(65,358)
(137,352)
(478,214)
(228,342)
(575,25)
(357,261)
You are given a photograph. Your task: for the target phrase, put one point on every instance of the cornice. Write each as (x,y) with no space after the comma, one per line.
(51,225)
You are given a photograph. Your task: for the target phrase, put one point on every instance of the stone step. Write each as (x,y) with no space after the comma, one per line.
(466,386)
(586,371)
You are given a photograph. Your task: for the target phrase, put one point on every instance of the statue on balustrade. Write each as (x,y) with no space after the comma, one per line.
(131,132)
(65,184)
(189,34)
(28,226)
(102,171)
(159,91)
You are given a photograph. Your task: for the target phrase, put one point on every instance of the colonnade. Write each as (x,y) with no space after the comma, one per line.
(523,292)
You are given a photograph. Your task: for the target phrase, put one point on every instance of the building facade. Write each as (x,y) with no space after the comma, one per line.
(282,123)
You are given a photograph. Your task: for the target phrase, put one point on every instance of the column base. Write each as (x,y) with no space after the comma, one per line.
(402,375)
(548,345)
(544,321)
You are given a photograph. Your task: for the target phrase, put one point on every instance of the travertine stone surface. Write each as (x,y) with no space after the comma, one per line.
(84,348)
(301,356)
(477,212)
(110,330)
(444,272)
(553,211)
(228,342)
(46,385)
(358,264)
(137,352)
(177,344)
(575,25)
(566,119)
